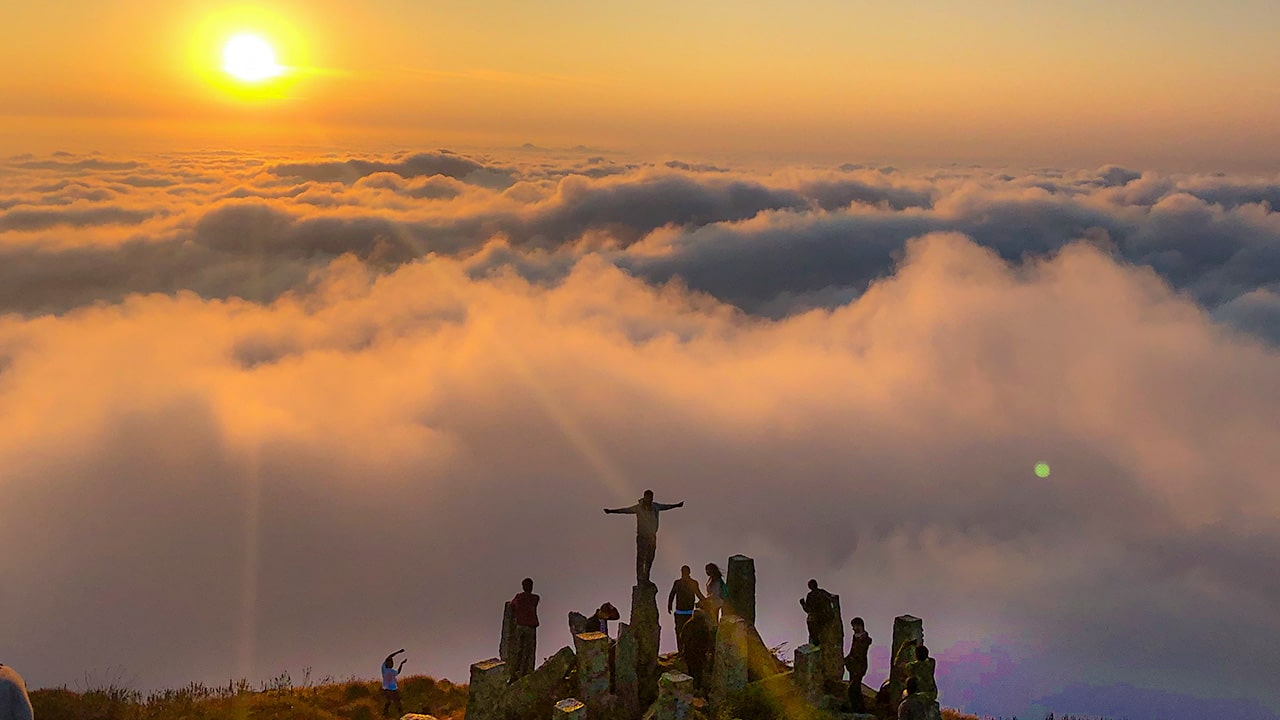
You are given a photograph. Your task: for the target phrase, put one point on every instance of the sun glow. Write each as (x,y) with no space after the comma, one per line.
(250,58)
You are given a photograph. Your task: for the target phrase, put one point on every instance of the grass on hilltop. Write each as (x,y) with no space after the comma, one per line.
(277,699)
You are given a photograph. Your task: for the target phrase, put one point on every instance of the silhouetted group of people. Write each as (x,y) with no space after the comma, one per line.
(697,610)
(696,618)
(912,663)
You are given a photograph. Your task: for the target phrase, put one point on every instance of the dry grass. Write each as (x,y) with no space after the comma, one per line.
(276,699)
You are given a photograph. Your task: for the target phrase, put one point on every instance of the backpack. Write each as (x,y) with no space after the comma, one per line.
(824,612)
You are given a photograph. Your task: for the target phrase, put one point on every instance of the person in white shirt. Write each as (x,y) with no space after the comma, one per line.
(646,512)
(390,688)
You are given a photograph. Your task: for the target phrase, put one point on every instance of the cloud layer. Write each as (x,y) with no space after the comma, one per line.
(296,411)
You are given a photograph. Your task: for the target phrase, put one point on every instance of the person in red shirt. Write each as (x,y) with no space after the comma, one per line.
(524,607)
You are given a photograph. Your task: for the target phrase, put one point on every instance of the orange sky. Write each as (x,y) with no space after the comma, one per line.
(1169,84)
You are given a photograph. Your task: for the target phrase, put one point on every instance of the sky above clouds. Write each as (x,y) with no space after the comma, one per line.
(1179,85)
(299,410)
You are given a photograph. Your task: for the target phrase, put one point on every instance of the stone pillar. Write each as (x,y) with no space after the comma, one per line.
(644,623)
(675,697)
(625,685)
(905,628)
(484,696)
(569,709)
(593,669)
(533,695)
(809,674)
(578,623)
(507,646)
(729,671)
(741,579)
(833,645)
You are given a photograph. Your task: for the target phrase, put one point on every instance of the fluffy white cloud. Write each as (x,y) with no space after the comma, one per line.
(330,429)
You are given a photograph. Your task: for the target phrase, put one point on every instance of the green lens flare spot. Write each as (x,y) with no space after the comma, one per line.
(1042,469)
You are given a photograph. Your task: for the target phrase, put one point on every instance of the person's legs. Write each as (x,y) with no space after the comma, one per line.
(855,693)
(527,649)
(815,632)
(516,664)
(532,657)
(646,548)
(681,621)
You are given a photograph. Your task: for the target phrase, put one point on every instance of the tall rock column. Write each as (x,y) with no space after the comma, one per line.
(507,646)
(644,624)
(729,671)
(809,675)
(833,645)
(741,580)
(675,697)
(905,629)
(625,685)
(593,670)
(484,695)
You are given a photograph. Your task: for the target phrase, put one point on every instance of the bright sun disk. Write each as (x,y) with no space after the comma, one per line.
(249,58)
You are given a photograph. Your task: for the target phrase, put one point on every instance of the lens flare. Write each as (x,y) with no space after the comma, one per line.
(1042,469)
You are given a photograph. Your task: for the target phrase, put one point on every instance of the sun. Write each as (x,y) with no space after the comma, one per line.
(249,58)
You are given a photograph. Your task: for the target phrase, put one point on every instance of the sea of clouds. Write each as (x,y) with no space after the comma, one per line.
(261,412)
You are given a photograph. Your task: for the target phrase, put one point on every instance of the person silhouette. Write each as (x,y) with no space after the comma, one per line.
(818,611)
(717,591)
(856,663)
(923,669)
(697,638)
(391,688)
(914,706)
(525,608)
(685,593)
(646,512)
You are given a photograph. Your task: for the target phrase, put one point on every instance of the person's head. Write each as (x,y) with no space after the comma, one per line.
(913,685)
(527,584)
(389,661)
(648,497)
(684,571)
(813,584)
(857,624)
(922,652)
(713,571)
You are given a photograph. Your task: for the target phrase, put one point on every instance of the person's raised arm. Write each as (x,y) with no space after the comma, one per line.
(402,662)
(664,506)
(622,511)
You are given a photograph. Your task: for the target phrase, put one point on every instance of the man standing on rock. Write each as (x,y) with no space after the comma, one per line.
(685,593)
(646,512)
(524,607)
(818,612)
